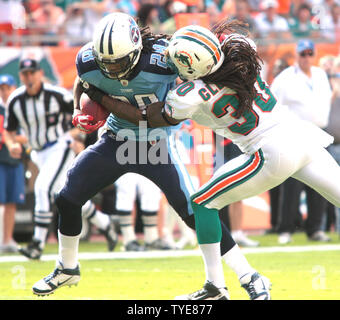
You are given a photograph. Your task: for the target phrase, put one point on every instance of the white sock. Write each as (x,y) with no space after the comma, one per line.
(213,264)
(40,233)
(100,220)
(235,259)
(68,250)
(150,234)
(128,234)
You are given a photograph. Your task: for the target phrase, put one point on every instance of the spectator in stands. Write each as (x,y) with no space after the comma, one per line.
(242,13)
(81,19)
(327,5)
(12,19)
(148,16)
(305,90)
(228,7)
(12,182)
(217,3)
(255,5)
(301,26)
(46,21)
(127,6)
(214,10)
(294,6)
(169,10)
(30,5)
(269,24)
(330,23)
(65,3)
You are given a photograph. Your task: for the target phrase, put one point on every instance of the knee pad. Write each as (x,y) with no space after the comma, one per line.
(70,220)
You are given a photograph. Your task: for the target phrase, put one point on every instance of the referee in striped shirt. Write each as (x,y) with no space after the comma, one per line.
(44,112)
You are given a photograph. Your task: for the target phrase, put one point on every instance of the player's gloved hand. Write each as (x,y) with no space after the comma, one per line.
(84,122)
(92,91)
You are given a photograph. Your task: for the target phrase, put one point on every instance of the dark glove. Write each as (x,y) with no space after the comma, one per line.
(93,92)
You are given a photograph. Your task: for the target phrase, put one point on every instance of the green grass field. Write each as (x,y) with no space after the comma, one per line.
(311,275)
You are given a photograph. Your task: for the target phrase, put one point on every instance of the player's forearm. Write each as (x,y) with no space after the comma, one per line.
(77,92)
(153,114)
(126,111)
(122,109)
(157,117)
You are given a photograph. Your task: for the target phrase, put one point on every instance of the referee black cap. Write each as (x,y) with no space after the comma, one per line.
(29,64)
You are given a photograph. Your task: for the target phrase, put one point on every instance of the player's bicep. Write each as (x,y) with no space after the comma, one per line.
(77,92)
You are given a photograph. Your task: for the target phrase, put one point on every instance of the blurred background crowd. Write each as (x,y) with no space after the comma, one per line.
(71,22)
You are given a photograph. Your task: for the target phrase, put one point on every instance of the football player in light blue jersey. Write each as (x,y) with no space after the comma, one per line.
(148,82)
(128,64)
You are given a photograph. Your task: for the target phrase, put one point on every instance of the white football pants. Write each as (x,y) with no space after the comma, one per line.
(129,186)
(286,154)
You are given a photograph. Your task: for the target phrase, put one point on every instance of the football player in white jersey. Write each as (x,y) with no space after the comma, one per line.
(231,99)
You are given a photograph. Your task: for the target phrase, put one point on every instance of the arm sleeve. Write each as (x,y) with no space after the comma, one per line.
(178,107)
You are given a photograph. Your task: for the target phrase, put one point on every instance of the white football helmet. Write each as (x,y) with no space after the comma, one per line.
(194,52)
(117,44)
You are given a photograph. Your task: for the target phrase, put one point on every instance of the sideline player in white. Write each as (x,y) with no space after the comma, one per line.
(233,100)
(128,187)
(44,111)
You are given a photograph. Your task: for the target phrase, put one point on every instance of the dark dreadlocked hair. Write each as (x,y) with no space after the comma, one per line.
(149,38)
(240,67)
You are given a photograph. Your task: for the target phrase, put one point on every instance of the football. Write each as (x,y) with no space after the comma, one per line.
(92,108)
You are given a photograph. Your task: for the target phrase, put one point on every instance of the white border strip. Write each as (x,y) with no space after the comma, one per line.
(171,253)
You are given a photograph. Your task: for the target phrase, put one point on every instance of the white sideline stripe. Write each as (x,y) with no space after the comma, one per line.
(170,253)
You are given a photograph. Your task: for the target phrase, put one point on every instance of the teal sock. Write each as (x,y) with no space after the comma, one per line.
(208,225)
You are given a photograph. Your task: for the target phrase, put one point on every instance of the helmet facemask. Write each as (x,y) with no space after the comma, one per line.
(119,68)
